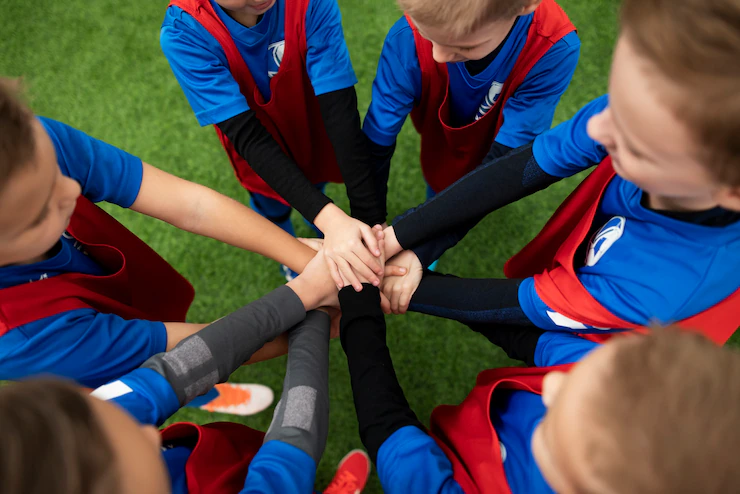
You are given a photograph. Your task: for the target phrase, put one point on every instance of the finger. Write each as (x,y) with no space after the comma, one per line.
(364,263)
(334,272)
(405,299)
(370,240)
(378,231)
(392,270)
(395,297)
(385,304)
(314,243)
(360,268)
(349,275)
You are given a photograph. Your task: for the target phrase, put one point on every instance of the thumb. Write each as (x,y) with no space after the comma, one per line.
(315,243)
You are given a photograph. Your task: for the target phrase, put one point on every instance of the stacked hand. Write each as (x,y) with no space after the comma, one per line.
(350,248)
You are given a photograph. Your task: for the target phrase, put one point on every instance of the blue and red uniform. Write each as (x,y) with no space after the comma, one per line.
(638,266)
(459,115)
(277,68)
(92,311)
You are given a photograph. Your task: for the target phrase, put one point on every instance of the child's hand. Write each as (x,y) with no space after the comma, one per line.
(314,286)
(351,248)
(398,290)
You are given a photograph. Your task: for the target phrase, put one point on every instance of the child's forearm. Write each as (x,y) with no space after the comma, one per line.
(198,209)
(380,403)
(209,357)
(494,184)
(342,123)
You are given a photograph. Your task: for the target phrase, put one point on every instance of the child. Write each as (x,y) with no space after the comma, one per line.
(648,414)
(653,234)
(474,75)
(89,445)
(80,295)
(275,79)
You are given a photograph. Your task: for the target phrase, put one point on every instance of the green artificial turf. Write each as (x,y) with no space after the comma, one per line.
(98,67)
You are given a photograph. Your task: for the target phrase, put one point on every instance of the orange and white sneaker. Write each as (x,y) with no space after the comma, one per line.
(240,399)
(352,474)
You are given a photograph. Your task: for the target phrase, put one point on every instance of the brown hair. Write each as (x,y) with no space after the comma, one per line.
(696,45)
(461,17)
(50,441)
(17,143)
(666,416)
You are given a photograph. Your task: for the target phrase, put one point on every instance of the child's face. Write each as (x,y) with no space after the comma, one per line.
(36,205)
(558,443)
(137,448)
(648,145)
(251,7)
(474,46)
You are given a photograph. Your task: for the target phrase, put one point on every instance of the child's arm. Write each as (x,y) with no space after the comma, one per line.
(198,209)
(492,185)
(297,436)
(408,460)
(558,153)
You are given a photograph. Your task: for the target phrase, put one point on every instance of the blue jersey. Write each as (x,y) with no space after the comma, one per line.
(529,112)
(149,398)
(200,66)
(111,345)
(410,461)
(641,265)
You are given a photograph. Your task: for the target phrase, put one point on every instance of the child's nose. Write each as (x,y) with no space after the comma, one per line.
(600,129)
(442,54)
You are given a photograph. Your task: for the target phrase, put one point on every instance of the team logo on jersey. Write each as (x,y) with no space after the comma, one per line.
(604,239)
(490,99)
(276,51)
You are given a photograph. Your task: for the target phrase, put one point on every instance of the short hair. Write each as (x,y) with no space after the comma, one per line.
(50,441)
(665,416)
(17,142)
(461,17)
(696,45)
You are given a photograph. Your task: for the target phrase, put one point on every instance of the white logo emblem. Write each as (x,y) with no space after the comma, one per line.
(276,50)
(604,239)
(490,100)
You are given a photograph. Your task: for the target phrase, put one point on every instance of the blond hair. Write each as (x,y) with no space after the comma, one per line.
(665,418)
(696,45)
(461,17)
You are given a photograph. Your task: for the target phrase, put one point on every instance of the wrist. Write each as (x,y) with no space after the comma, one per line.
(305,292)
(392,246)
(327,216)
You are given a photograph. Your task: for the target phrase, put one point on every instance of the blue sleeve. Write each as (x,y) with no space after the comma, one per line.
(556,348)
(567,149)
(200,66)
(529,112)
(397,85)
(104,172)
(144,394)
(327,59)
(90,347)
(278,468)
(410,462)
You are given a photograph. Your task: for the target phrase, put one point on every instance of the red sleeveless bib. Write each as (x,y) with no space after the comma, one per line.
(549,258)
(448,153)
(292,116)
(142,284)
(220,460)
(467,436)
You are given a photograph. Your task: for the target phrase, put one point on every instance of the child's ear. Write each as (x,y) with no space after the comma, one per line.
(551,386)
(729,198)
(530,7)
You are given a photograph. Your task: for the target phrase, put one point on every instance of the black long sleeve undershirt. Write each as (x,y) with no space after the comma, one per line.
(342,123)
(450,214)
(380,402)
(339,112)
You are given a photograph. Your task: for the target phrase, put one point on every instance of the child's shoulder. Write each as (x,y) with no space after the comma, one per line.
(400,32)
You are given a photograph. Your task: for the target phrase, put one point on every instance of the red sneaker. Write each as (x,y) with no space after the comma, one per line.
(352,474)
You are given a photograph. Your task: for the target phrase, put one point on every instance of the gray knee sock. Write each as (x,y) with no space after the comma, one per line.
(302,415)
